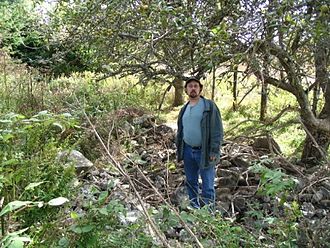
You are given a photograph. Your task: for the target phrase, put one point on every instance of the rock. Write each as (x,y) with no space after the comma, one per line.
(321,213)
(221,191)
(240,162)
(318,196)
(228,182)
(300,184)
(225,164)
(239,203)
(242,181)
(129,217)
(164,129)
(76,158)
(325,192)
(224,197)
(128,128)
(325,203)
(247,190)
(326,184)
(267,144)
(223,207)
(180,197)
(305,197)
(227,173)
(308,210)
(145,121)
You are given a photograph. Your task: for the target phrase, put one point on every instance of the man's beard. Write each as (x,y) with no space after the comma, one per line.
(193,94)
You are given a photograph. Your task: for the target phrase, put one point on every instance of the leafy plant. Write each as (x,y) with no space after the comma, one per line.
(282,223)
(272,182)
(210,229)
(28,164)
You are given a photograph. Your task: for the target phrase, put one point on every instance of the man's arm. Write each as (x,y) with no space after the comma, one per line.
(216,131)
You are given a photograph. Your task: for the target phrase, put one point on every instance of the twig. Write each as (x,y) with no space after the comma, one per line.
(242,122)
(278,116)
(246,94)
(124,173)
(3,231)
(322,152)
(313,183)
(109,135)
(168,204)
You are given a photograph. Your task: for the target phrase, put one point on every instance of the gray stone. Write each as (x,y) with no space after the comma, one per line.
(240,162)
(318,196)
(221,191)
(228,182)
(325,203)
(308,210)
(227,173)
(267,144)
(129,217)
(180,197)
(239,203)
(225,164)
(76,158)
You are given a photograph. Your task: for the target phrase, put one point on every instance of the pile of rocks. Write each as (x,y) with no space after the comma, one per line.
(152,149)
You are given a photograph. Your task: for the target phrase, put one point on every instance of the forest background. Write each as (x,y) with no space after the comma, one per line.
(76,71)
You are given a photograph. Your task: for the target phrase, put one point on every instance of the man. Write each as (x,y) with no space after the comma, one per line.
(198,142)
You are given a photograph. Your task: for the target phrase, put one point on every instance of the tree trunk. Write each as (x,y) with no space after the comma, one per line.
(264,101)
(235,89)
(213,82)
(315,150)
(178,94)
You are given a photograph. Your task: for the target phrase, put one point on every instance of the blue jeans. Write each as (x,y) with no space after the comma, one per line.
(191,161)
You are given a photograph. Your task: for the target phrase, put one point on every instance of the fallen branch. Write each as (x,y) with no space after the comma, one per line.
(279,115)
(166,203)
(122,171)
(313,183)
(322,152)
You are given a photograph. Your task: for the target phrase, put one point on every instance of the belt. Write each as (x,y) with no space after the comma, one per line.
(195,147)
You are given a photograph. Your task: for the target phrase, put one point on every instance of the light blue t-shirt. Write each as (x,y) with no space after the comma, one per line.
(191,121)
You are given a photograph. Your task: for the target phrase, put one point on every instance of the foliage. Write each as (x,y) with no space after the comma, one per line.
(22,88)
(282,222)
(20,31)
(244,122)
(99,225)
(30,172)
(273,182)
(210,229)
(26,34)
(161,40)
(155,40)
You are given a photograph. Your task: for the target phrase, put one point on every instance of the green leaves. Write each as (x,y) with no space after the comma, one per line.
(273,182)
(33,185)
(14,205)
(79,229)
(14,240)
(58,201)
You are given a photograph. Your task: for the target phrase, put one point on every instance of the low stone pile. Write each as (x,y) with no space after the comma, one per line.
(151,149)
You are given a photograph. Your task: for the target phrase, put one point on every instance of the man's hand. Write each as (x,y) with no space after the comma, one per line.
(213,158)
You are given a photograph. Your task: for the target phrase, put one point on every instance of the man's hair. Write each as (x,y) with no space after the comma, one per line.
(193,79)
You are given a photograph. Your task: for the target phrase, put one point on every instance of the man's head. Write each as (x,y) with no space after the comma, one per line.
(193,87)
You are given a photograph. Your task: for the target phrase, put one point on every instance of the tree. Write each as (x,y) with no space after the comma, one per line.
(163,41)
(299,41)
(19,30)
